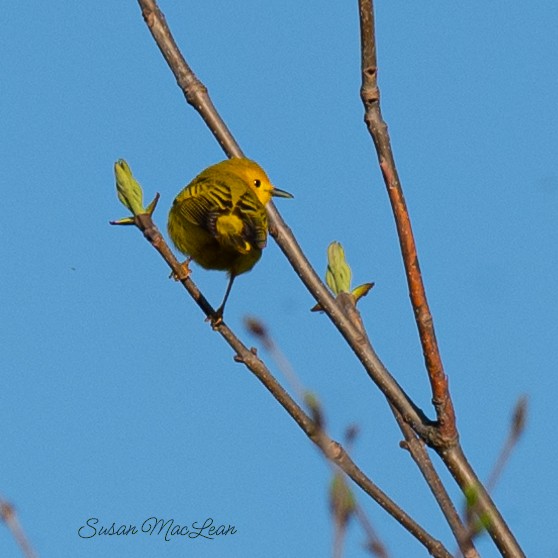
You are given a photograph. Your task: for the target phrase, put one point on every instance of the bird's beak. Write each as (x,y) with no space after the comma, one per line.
(276,193)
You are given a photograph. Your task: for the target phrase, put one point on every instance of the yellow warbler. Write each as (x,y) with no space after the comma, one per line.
(219,220)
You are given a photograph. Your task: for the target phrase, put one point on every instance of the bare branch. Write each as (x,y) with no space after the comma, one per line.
(517,427)
(447,443)
(418,452)
(193,89)
(474,526)
(374,543)
(420,456)
(466,478)
(9,516)
(331,449)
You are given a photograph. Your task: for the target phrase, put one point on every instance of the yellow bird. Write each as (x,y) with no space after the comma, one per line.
(219,220)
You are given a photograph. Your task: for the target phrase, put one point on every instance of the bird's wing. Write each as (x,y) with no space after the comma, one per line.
(230,202)
(254,217)
(197,206)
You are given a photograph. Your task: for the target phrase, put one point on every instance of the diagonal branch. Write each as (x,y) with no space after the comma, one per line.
(417,450)
(194,90)
(415,446)
(331,449)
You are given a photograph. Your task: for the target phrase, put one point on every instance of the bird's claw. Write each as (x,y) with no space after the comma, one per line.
(184,271)
(216,319)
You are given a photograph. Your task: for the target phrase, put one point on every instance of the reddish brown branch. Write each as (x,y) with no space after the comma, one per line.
(370,95)
(447,442)
(439,383)
(9,516)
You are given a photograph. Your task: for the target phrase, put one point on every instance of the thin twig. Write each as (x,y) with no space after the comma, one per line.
(475,526)
(420,456)
(343,504)
(9,516)
(468,481)
(517,427)
(374,543)
(258,329)
(331,449)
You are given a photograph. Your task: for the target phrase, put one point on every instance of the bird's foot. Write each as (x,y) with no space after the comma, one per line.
(184,271)
(217,318)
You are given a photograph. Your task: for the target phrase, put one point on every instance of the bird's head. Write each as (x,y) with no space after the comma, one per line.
(257,179)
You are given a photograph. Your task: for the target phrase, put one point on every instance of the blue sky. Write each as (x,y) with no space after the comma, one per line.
(120,403)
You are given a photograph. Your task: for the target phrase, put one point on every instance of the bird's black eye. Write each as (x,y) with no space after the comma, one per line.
(257,183)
